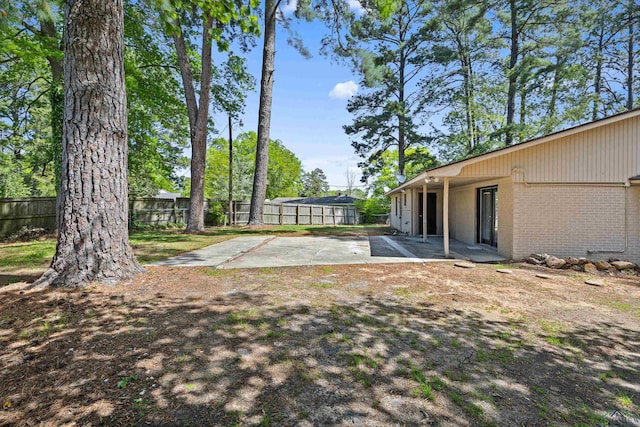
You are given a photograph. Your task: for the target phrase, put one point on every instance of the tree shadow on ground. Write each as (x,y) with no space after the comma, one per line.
(7,279)
(239,358)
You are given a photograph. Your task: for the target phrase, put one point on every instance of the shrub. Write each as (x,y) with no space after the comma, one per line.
(216,214)
(373,210)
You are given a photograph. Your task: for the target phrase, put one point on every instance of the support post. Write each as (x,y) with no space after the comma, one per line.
(424,212)
(323,214)
(445,216)
(412,196)
(234,211)
(297,214)
(281,213)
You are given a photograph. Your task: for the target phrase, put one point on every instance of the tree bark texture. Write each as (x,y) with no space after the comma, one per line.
(198,115)
(402,63)
(512,75)
(597,79)
(230,124)
(630,58)
(401,116)
(256,209)
(53,43)
(93,239)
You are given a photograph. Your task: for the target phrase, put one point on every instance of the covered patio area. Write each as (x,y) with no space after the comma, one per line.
(460,212)
(433,248)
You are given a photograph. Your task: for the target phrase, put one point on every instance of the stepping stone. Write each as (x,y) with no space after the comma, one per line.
(594,282)
(504,271)
(465,264)
(543,276)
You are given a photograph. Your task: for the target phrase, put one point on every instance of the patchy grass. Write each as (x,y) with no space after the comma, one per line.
(506,266)
(267,347)
(624,400)
(26,256)
(21,261)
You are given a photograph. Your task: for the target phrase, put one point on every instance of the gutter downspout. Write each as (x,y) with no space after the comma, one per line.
(424,212)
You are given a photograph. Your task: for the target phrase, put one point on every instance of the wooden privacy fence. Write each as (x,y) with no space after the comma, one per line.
(152,211)
(290,214)
(40,212)
(34,212)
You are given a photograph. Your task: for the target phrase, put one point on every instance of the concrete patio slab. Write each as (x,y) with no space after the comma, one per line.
(217,254)
(319,250)
(434,246)
(272,251)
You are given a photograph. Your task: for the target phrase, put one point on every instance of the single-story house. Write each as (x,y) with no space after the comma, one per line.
(164,194)
(571,193)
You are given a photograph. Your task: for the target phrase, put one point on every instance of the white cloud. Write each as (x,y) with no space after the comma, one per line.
(344,90)
(356,6)
(291,6)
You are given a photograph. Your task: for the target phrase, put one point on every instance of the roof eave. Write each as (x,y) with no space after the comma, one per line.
(454,169)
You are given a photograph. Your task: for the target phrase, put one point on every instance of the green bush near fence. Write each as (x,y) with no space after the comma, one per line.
(372,210)
(216,215)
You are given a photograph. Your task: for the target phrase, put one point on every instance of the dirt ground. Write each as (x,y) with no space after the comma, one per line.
(374,345)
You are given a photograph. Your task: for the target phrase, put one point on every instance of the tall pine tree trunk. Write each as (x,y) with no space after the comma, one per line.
(468,99)
(630,53)
(512,75)
(49,33)
(597,80)
(259,192)
(523,111)
(198,112)
(401,117)
(402,63)
(551,121)
(93,239)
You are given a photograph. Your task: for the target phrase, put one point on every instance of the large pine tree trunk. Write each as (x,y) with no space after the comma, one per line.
(512,74)
(198,112)
(52,41)
(630,56)
(93,240)
(256,209)
(597,79)
(199,144)
(402,63)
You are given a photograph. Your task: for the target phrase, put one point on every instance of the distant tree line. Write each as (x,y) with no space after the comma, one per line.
(465,76)
(442,80)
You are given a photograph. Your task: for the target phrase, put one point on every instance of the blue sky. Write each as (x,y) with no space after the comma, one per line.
(305,117)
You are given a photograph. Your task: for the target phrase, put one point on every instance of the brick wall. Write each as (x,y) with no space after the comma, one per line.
(570,220)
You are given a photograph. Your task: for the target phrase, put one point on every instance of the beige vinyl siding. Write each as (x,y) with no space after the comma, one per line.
(570,220)
(439,206)
(401,219)
(463,213)
(505,217)
(609,153)
(407,211)
(394,219)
